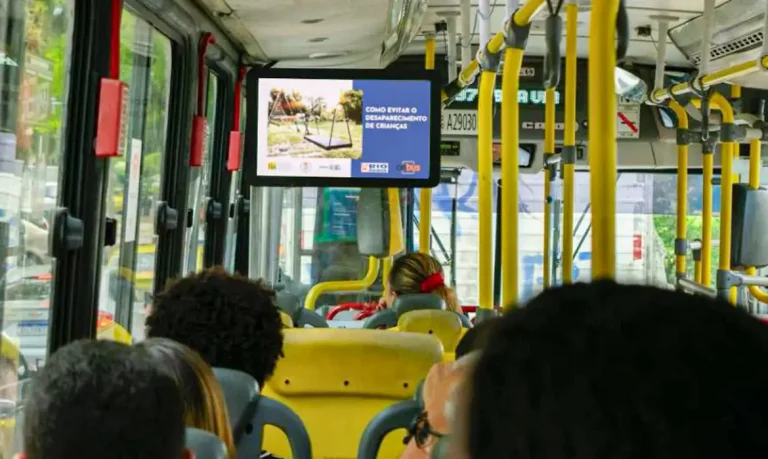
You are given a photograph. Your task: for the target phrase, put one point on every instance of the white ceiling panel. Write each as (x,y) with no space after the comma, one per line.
(641,49)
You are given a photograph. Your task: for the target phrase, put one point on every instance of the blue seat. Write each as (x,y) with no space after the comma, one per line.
(249,412)
(205,445)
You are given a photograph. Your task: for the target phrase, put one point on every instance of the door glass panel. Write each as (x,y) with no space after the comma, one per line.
(199,186)
(134,182)
(234,192)
(35,38)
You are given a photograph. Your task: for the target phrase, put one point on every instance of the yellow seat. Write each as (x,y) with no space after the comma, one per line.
(287,321)
(337,380)
(445,325)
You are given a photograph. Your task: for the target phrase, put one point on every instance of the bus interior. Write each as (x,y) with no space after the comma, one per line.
(129,136)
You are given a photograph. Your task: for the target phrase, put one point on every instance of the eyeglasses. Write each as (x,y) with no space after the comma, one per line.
(421,432)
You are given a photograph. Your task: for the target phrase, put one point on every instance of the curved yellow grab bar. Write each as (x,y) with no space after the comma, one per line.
(343,286)
(726,185)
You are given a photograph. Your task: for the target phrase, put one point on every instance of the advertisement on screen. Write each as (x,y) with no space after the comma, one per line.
(356,130)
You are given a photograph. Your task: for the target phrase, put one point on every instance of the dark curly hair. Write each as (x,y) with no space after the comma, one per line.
(604,370)
(231,321)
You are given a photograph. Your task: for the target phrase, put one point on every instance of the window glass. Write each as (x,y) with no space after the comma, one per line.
(35,39)
(199,185)
(134,181)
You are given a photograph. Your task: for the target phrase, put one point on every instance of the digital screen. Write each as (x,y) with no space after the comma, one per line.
(347,131)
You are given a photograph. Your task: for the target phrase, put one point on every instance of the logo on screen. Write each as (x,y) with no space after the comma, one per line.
(304,167)
(374,168)
(272,166)
(408,167)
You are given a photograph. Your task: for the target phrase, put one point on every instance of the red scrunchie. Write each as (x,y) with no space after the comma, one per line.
(432,282)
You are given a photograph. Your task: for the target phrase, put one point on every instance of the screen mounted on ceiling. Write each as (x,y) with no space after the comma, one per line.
(356,128)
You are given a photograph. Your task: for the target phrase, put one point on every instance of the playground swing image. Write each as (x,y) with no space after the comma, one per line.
(328,142)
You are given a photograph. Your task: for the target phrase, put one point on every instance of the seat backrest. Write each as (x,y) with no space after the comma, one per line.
(397,416)
(249,413)
(749,246)
(386,318)
(290,304)
(417,301)
(379,224)
(205,445)
(445,325)
(337,380)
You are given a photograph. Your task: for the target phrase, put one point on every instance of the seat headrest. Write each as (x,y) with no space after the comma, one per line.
(379,225)
(333,362)
(749,246)
(205,445)
(386,318)
(417,301)
(445,325)
(241,394)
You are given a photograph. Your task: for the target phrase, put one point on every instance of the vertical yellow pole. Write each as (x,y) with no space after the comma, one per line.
(569,140)
(602,136)
(549,150)
(485,186)
(682,183)
(726,185)
(425,199)
(510,141)
(706,219)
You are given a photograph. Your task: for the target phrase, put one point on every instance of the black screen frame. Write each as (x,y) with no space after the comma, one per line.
(251,176)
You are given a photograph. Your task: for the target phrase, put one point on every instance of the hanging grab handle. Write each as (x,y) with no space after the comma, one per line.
(622,32)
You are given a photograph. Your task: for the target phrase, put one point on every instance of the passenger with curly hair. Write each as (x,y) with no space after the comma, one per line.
(622,372)
(231,321)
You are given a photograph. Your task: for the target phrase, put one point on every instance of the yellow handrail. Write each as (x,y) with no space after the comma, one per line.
(485,187)
(343,286)
(706,219)
(522,18)
(755,153)
(726,185)
(682,183)
(712,79)
(510,170)
(569,139)
(602,136)
(425,197)
(549,149)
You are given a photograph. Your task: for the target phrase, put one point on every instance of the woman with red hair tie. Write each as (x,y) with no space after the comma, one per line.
(418,273)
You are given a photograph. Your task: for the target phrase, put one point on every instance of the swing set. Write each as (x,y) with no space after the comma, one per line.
(326,142)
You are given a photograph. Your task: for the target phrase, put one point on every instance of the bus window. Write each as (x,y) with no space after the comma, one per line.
(34,62)
(199,184)
(134,179)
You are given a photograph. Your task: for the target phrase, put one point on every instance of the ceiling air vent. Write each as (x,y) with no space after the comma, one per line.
(737,37)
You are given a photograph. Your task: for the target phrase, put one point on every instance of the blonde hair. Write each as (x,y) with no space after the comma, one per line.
(409,272)
(205,407)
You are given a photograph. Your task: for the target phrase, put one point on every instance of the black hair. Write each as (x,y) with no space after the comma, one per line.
(231,321)
(103,400)
(604,371)
(475,338)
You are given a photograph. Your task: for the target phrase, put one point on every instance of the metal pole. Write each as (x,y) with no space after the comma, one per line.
(661,56)
(511,6)
(466,34)
(450,20)
(484,13)
(709,20)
